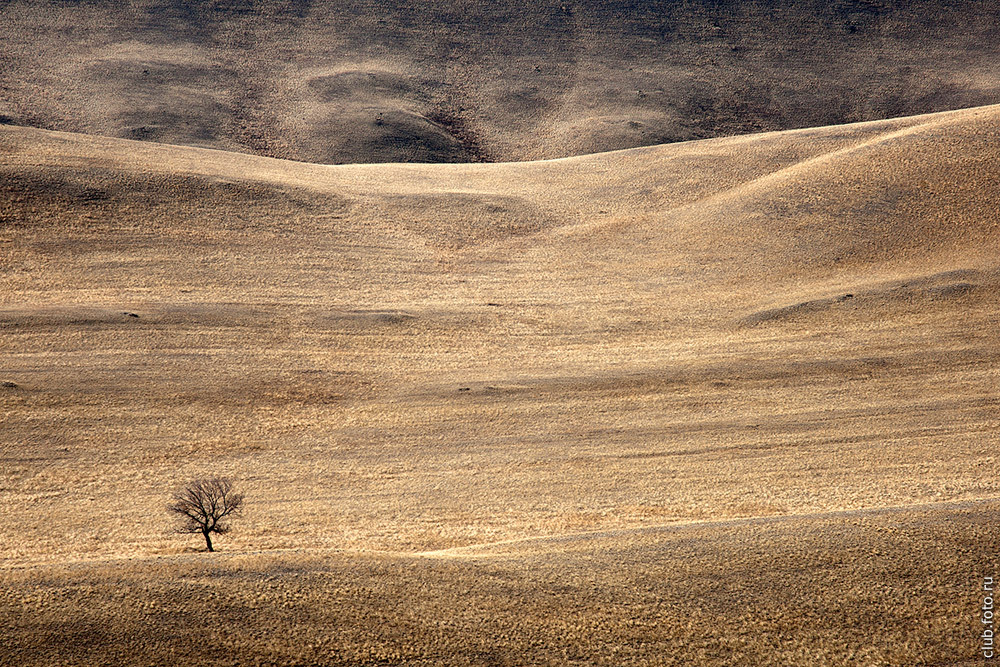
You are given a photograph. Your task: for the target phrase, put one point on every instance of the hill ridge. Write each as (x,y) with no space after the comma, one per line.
(364,82)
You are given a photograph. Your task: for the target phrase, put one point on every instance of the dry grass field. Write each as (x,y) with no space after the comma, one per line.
(730,401)
(464,80)
(835,589)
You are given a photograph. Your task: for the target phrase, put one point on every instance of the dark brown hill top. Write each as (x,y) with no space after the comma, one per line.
(395,80)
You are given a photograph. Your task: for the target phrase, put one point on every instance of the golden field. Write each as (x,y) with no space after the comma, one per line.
(730,401)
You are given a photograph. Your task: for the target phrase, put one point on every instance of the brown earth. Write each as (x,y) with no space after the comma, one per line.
(504,413)
(403,81)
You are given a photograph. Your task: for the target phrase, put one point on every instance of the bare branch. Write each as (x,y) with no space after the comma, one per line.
(203,504)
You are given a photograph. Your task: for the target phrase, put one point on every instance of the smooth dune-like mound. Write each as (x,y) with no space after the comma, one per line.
(436,81)
(965,286)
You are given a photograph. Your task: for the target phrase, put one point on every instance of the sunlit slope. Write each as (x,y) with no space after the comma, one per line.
(434,81)
(423,357)
(811,204)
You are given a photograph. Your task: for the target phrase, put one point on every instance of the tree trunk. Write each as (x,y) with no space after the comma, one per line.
(208,540)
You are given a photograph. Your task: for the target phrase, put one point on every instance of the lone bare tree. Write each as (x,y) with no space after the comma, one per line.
(204,505)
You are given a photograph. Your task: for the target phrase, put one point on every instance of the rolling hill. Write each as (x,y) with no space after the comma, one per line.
(394,81)
(628,407)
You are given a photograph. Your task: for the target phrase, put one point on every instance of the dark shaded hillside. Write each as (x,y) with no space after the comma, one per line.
(367,81)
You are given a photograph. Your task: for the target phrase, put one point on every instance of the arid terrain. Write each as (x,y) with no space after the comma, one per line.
(464,80)
(506,413)
(731,401)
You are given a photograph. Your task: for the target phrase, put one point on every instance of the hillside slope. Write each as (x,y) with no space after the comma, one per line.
(804,318)
(363,81)
(715,402)
(818,590)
